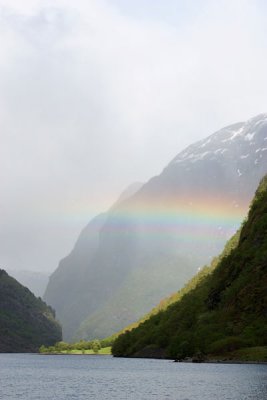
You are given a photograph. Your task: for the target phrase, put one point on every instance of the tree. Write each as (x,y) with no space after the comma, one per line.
(96,346)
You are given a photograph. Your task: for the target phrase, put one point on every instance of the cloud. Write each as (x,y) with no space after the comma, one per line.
(94,96)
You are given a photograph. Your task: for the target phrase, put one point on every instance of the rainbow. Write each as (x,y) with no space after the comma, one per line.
(175,218)
(179,219)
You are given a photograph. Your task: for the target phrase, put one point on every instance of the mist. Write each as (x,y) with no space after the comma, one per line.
(99,94)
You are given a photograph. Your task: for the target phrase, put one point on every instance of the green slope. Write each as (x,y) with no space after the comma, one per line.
(133,298)
(222,310)
(26,322)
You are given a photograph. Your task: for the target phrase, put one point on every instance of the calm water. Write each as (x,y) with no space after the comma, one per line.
(33,377)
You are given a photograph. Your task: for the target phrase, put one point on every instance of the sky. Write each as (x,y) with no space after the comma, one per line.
(98,94)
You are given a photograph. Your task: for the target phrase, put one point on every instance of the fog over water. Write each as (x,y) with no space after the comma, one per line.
(95,95)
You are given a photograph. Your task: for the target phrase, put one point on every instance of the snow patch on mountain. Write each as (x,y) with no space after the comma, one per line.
(205,143)
(250,136)
(234,134)
(243,136)
(200,156)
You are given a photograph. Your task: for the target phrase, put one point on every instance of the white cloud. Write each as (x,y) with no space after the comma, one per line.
(93,98)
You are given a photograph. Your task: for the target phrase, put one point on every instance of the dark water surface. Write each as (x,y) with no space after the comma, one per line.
(33,377)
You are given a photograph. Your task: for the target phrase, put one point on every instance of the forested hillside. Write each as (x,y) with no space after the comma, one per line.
(222,311)
(26,322)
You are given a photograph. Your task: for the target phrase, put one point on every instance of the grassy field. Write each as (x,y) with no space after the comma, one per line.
(103,351)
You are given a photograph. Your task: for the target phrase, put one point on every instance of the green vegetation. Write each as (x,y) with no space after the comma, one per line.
(250,354)
(96,346)
(26,322)
(135,297)
(191,284)
(221,312)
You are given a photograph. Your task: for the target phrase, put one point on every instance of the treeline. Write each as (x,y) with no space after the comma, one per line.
(222,311)
(82,346)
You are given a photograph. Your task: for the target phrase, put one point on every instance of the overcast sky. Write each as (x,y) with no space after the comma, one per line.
(97,94)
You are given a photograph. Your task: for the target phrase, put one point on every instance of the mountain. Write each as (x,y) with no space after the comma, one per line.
(149,244)
(222,311)
(26,322)
(35,281)
(128,192)
(78,271)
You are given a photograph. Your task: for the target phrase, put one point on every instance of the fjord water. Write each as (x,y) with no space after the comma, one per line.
(33,377)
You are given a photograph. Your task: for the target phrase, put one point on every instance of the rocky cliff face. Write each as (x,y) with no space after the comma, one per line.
(150,243)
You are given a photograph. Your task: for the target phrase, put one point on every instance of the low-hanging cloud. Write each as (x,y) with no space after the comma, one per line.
(94,96)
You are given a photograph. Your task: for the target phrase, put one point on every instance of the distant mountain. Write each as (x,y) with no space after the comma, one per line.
(25,321)
(35,281)
(149,244)
(221,311)
(77,272)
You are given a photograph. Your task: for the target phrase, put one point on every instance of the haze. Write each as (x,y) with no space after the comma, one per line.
(95,95)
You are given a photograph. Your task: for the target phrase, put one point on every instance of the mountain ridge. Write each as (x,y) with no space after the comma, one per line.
(26,322)
(34,280)
(223,313)
(174,223)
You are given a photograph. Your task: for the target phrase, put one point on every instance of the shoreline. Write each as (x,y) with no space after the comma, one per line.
(221,362)
(189,361)
(71,354)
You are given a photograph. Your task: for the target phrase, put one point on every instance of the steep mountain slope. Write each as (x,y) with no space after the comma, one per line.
(25,321)
(190,285)
(33,280)
(75,289)
(152,242)
(222,310)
